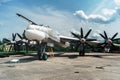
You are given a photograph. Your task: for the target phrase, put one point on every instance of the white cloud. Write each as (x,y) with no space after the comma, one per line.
(82,14)
(108,12)
(103,16)
(117,2)
(95,17)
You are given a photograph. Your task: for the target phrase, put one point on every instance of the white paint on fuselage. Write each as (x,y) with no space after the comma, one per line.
(39,33)
(35,35)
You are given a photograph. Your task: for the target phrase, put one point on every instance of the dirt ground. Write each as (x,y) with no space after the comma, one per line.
(67,66)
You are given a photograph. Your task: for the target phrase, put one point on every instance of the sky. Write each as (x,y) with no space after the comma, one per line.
(63,16)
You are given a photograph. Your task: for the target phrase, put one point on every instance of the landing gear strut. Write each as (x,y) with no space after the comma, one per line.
(41,51)
(82,51)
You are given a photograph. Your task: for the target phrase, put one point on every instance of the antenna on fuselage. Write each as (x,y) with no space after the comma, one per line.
(31,22)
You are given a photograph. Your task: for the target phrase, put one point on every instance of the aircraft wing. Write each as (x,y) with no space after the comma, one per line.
(63,41)
(62,44)
(70,39)
(67,39)
(118,45)
(94,42)
(117,39)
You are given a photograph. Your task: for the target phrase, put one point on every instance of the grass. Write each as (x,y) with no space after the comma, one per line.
(14,53)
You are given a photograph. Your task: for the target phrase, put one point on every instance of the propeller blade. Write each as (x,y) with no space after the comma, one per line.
(81,30)
(102,35)
(102,44)
(26,19)
(114,36)
(89,45)
(19,36)
(105,35)
(10,48)
(88,33)
(75,35)
(105,45)
(13,36)
(24,35)
(15,47)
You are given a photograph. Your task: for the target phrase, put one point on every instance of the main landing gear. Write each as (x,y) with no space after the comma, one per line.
(41,51)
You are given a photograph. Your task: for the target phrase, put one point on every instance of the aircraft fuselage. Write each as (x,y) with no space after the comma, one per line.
(40,33)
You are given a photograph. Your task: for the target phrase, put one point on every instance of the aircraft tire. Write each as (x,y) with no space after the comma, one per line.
(39,56)
(45,56)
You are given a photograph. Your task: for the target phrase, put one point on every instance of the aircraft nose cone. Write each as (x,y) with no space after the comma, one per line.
(35,35)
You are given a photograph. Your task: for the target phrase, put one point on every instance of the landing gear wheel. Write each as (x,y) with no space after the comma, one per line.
(39,56)
(42,57)
(45,56)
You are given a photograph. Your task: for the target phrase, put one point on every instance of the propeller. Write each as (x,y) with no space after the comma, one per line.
(13,42)
(23,40)
(82,42)
(108,42)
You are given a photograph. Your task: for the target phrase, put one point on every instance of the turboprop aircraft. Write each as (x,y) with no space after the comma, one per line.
(43,35)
